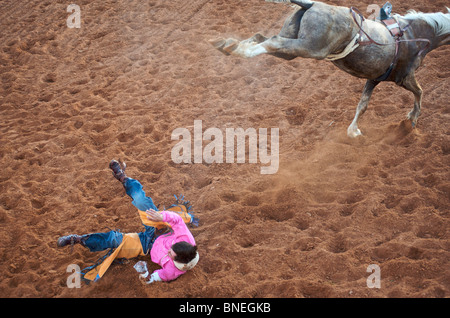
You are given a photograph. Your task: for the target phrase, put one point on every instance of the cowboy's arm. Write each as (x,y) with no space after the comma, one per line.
(160,275)
(173,219)
(151,278)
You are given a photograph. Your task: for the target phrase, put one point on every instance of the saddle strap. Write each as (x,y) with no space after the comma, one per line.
(393,27)
(393,63)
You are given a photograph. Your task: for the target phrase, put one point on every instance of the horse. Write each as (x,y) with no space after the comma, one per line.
(364,48)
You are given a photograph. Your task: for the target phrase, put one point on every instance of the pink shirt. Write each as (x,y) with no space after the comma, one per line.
(162,245)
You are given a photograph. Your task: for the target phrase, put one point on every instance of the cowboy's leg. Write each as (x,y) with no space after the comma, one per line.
(147,238)
(135,190)
(132,187)
(97,242)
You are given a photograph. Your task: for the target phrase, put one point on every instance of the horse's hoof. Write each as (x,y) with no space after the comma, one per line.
(258,38)
(225,46)
(217,43)
(353,133)
(407,125)
(230,45)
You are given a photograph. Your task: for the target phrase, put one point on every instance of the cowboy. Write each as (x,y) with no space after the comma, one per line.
(174,250)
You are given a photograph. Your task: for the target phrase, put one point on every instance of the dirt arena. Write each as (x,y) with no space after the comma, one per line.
(72,99)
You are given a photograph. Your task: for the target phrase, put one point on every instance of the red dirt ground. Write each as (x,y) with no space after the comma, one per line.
(73,99)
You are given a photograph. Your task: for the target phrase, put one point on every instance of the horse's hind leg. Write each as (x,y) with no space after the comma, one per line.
(411,84)
(285,45)
(290,30)
(353,130)
(276,45)
(291,27)
(233,46)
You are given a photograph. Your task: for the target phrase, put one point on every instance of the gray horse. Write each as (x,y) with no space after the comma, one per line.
(363,48)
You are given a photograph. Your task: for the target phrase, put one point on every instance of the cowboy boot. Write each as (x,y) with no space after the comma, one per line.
(118,170)
(69,239)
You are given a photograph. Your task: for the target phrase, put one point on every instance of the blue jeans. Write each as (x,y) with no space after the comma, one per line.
(135,191)
(101,241)
(97,242)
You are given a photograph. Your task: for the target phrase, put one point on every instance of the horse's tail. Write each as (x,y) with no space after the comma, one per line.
(305,4)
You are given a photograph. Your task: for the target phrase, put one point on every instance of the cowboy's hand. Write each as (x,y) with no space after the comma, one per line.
(153,215)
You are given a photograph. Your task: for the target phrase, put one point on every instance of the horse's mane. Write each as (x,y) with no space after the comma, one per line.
(439,21)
